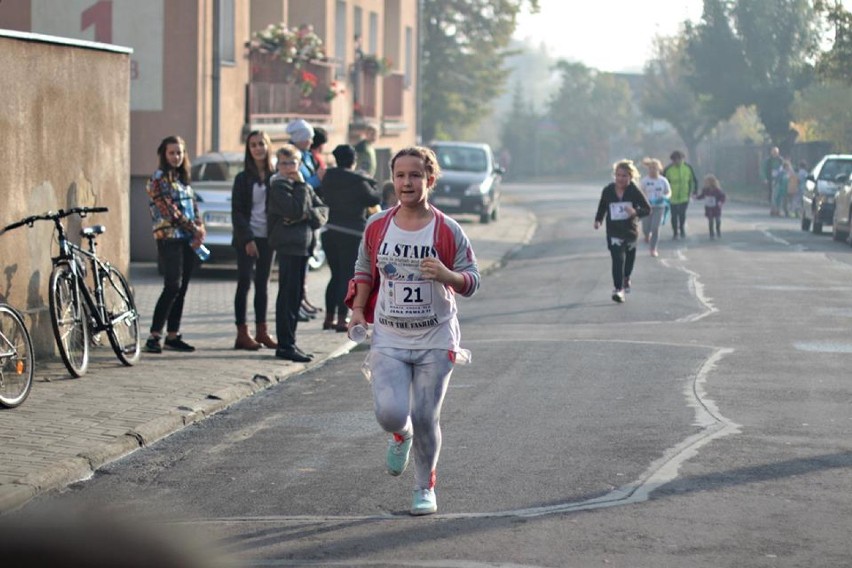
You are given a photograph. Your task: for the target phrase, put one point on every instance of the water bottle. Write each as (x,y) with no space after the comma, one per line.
(358,333)
(202,252)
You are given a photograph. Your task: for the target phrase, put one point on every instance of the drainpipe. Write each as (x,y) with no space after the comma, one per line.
(216,77)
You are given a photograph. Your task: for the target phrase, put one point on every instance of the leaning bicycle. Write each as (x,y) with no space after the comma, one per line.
(78,312)
(16,358)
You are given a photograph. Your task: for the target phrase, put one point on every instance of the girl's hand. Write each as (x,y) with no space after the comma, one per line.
(357,318)
(251,249)
(432,268)
(630,210)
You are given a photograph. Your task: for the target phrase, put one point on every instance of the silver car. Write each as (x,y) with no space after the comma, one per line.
(212,180)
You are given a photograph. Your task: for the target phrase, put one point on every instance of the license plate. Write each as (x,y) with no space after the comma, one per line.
(217,219)
(446,201)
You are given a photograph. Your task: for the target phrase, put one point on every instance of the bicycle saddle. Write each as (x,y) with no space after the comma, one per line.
(92,231)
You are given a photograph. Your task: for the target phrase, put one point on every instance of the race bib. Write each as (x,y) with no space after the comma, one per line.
(618,211)
(709,201)
(410,299)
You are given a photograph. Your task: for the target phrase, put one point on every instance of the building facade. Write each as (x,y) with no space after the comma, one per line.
(193,74)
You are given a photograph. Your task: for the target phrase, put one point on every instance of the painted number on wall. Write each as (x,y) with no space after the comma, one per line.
(98,15)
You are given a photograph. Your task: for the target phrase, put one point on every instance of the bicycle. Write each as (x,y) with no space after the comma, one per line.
(78,312)
(16,358)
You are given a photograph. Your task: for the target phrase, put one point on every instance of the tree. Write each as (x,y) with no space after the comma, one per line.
(517,131)
(591,113)
(823,111)
(755,52)
(667,95)
(464,48)
(836,63)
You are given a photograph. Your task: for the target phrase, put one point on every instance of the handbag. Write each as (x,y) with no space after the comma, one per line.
(318,216)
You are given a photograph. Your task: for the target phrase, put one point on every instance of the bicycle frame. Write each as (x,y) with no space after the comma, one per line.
(74,255)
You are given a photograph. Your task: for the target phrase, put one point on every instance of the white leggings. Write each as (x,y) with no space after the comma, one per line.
(408,390)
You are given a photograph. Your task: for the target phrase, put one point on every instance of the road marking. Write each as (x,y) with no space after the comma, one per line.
(662,471)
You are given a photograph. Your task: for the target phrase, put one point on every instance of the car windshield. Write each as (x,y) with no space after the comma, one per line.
(216,171)
(832,168)
(461,159)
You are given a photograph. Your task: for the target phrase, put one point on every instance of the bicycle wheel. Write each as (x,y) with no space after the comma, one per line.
(122,317)
(70,327)
(16,358)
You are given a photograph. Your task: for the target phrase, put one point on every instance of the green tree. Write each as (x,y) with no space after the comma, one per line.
(756,52)
(464,48)
(518,129)
(836,63)
(592,114)
(668,96)
(823,110)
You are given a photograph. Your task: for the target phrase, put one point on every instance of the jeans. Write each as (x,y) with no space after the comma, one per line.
(178,261)
(291,280)
(258,267)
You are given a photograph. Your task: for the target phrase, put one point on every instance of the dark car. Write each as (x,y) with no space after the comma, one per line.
(470,180)
(818,201)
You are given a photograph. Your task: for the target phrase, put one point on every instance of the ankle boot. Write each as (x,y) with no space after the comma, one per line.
(329,322)
(263,338)
(244,340)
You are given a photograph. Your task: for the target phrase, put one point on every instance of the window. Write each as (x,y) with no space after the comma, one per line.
(409,55)
(227,51)
(374,34)
(358,22)
(340,38)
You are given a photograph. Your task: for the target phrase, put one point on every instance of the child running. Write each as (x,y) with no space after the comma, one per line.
(412,263)
(713,197)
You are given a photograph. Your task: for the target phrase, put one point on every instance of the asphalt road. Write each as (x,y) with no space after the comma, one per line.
(705,422)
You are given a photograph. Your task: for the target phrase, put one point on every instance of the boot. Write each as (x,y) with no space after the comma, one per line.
(244,340)
(263,338)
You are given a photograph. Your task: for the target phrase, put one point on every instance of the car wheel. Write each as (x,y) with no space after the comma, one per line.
(485,218)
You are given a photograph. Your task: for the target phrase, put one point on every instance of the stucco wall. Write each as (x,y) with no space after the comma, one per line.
(65,119)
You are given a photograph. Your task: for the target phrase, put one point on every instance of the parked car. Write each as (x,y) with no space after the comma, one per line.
(818,203)
(212,180)
(469,182)
(840,230)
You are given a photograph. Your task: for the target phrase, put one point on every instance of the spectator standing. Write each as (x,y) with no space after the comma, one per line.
(318,143)
(290,234)
(771,166)
(713,196)
(254,255)
(683,184)
(365,152)
(179,231)
(348,194)
(802,179)
(622,203)
(658,191)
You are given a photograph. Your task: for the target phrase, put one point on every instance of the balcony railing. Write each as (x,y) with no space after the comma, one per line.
(275,91)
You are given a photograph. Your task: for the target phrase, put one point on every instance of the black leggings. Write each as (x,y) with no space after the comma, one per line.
(341,252)
(178,261)
(259,268)
(623,257)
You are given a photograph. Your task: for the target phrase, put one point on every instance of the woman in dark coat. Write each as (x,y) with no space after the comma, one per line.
(348,195)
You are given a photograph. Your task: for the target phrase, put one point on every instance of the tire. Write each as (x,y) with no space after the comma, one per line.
(70,327)
(16,358)
(123,317)
(485,217)
(837,234)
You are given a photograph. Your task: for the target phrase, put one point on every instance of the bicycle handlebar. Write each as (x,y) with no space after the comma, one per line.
(53,216)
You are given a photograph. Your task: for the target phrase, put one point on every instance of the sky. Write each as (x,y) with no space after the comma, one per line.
(609,35)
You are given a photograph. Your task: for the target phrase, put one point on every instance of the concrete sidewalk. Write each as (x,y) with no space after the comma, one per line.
(68,428)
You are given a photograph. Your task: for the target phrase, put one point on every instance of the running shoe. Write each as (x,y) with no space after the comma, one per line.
(654,252)
(627,285)
(399,449)
(424,502)
(618,296)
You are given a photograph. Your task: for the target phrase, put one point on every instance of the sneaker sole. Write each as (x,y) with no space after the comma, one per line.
(421,512)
